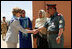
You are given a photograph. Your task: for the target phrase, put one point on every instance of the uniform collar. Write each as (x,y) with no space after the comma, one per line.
(55,14)
(4,21)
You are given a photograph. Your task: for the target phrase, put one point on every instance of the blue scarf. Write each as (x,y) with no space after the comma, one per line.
(25,24)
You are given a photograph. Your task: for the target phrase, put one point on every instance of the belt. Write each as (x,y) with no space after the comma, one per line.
(53,32)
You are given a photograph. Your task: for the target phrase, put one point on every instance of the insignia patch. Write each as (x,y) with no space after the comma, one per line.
(52,23)
(59,14)
(60,21)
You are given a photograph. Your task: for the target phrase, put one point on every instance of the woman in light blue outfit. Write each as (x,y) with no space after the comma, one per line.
(14,28)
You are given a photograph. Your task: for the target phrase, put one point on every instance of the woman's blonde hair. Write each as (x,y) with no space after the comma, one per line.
(16,10)
(43,13)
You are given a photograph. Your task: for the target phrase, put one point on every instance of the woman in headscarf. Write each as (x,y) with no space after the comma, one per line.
(41,36)
(14,28)
(25,38)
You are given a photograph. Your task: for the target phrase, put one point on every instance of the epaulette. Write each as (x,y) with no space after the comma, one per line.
(59,14)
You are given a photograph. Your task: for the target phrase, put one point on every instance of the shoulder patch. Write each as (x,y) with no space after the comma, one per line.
(59,14)
(60,21)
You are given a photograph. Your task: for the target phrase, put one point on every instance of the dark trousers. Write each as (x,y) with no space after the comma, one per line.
(42,43)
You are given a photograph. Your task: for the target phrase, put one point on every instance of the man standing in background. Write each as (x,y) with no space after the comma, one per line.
(4,28)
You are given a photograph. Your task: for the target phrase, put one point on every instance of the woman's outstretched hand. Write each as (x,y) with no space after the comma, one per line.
(35,31)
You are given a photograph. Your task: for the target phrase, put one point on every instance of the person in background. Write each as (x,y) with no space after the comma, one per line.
(4,28)
(25,40)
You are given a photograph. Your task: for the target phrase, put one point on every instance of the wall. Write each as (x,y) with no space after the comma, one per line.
(63,7)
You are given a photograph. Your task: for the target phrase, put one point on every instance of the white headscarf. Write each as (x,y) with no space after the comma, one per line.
(41,21)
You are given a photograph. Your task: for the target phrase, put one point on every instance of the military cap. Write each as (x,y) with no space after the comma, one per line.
(51,6)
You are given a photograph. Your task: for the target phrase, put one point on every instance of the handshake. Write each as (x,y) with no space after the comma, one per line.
(35,31)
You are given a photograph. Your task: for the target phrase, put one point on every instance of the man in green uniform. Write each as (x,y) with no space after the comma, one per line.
(54,27)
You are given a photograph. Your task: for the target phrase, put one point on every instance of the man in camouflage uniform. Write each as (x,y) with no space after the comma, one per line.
(3,28)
